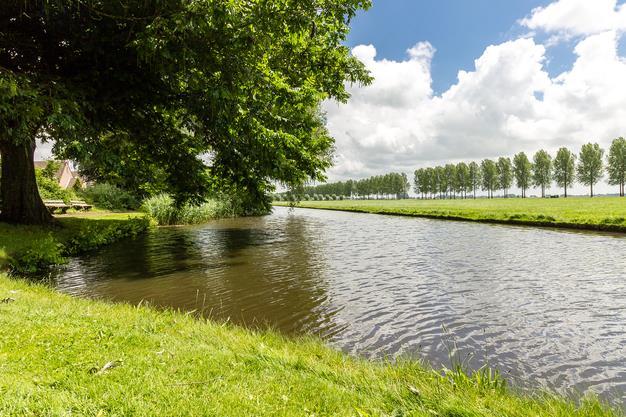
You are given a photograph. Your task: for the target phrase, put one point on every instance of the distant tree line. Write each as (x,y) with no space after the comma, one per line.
(391,185)
(464,179)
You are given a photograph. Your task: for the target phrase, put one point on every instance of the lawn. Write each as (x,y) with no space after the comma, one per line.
(74,232)
(66,356)
(598,213)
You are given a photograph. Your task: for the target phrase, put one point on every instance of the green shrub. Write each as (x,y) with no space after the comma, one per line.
(49,188)
(52,249)
(110,197)
(95,236)
(38,257)
(164,211)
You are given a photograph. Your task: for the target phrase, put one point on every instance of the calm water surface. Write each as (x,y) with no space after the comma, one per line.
(546,307)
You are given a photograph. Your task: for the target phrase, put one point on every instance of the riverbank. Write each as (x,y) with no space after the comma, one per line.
(32,249)
(598,213)
(63,355)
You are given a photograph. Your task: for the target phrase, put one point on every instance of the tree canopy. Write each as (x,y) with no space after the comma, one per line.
(590,165)
(505,174)
(489,171)
(213,93)
(616,164)
(542,170)
(522,170)
(564,165)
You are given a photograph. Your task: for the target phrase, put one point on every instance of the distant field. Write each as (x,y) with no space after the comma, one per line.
(598,213)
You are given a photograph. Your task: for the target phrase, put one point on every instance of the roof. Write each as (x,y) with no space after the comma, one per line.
(43,164)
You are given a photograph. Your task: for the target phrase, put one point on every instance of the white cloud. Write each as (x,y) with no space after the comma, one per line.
(43,151)
(567,18)
(382,119)
(508,103)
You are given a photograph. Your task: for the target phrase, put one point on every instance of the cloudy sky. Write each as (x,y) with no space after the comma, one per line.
(461,80)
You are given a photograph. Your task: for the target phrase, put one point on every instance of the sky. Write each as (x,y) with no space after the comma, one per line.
(466,80)
(472,79)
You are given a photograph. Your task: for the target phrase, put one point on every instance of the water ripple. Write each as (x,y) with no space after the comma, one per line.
(546,307)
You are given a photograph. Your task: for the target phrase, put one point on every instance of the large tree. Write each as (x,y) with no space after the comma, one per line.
(475,177)
(440,180)
(462,178)
(590,165)
(450,173)
(616,164)
(505,174)
(542,170)
(430,179)
(522,170)
(564,169)
(489,175)
(213,92)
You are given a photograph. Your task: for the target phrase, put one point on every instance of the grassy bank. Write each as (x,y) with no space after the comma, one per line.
(65,356)
(601,213)
(30,249)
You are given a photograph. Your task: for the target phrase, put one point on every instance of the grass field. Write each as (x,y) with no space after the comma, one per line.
(62,356)
(16,240)
(598,213)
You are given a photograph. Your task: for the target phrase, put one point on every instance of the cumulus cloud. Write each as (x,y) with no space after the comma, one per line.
(568,18)
(382,119)
(508,103)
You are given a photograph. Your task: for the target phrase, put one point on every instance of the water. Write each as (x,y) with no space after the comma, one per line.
(545,307)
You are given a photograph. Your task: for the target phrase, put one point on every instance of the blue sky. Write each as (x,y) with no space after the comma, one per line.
(534,74)
(459,30)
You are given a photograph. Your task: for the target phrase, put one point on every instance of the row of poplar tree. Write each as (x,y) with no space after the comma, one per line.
(588,168)
(391,185)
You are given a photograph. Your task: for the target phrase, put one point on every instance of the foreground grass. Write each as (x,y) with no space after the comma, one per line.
(36,246)
(598,213)
(65,356)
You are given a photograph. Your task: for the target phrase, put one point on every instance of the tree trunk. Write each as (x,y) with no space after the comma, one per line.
(591,190)
(21,202)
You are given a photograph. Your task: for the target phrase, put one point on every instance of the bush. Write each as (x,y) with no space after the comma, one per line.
(42,254)
(87,234)
(49,188)
(110,197)
(164,211)
(94,236)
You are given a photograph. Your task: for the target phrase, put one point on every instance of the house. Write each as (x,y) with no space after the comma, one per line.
(66,176)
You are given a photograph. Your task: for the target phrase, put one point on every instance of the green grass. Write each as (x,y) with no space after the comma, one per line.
(54,348)
(75,232)
(598,213)
(163,211)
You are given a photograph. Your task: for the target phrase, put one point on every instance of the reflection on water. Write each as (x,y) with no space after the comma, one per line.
(545,307)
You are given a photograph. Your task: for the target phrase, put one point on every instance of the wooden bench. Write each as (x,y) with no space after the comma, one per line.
(80,205)
(54,205)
